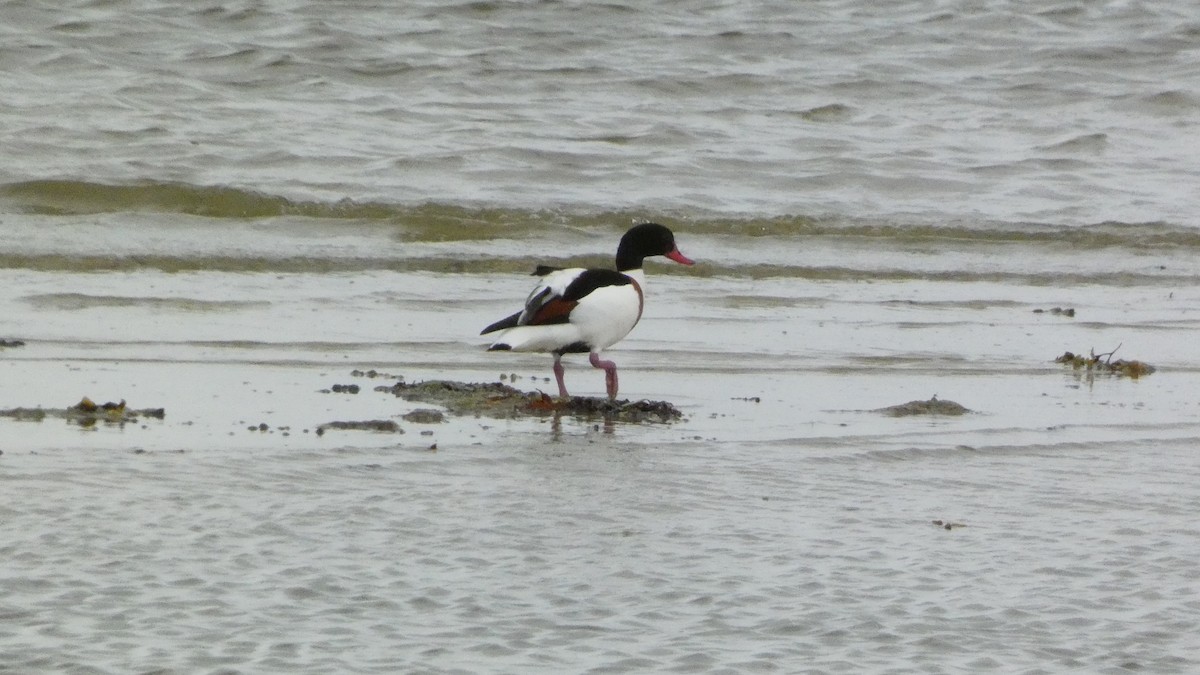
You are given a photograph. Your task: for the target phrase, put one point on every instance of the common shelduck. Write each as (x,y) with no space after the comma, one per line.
(577,310)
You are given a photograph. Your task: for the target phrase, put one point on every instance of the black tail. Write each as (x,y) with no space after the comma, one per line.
(506,322)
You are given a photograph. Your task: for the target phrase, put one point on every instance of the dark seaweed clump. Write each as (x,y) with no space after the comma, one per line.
(86,413)
(933,406)
(495,399)
(382,426)
(1103,363)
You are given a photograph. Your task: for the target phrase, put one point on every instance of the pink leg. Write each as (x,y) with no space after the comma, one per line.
(610,373)
(558,375)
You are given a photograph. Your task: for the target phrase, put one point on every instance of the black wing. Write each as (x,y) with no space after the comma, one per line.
(506,322)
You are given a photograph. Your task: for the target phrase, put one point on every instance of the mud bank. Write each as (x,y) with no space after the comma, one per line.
(495,399)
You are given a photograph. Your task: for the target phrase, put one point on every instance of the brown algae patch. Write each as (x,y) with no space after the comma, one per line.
(425,416)
(495,399)
(1063,311)
(933,406)
(381,426)
(86,413)
(1103,363)
(948,525)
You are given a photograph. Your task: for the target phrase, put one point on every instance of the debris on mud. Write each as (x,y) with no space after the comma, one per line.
(86,413)
(933,406)
(11,343)
(383,426)
(1103,363)
(948,525)
(372,374)
(425,416)
(495,399)
(1065,311)
(341,389)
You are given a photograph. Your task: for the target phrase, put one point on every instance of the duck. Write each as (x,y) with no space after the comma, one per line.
(579,310)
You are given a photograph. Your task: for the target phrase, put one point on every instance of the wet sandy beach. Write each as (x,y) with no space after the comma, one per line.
(784,520)
(223,211)
(744,360)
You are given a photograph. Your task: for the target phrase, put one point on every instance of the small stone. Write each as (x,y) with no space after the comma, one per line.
(933,406)
(387,426)
(425,416)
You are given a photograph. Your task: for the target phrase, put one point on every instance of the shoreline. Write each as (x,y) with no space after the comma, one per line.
(215,405)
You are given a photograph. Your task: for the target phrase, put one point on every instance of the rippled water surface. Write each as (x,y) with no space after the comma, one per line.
(1072,113)
(226,209)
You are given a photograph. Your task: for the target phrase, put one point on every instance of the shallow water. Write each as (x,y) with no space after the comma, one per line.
(604,554)
(1071,114)
(225,211)
(784,525)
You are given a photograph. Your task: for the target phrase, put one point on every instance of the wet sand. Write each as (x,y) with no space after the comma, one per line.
(744,360)
(248,406)
(222,213)
(748,361)
(230,534)
(785,518)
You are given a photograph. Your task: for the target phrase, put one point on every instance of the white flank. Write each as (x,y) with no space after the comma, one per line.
(601,319)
